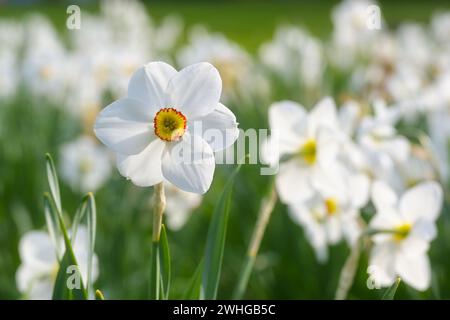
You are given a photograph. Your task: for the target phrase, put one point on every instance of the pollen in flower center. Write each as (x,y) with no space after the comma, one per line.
(169,124)
(331,206)
(402,231)
(308,151)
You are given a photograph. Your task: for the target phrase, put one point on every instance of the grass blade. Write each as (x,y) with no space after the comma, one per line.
(215,243)
(193,290)
(68,266)
(52,178)
(164,259)
(389,294)
(99,295)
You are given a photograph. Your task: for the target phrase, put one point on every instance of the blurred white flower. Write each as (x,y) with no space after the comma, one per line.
(232,62)
(309,143)
(36,275)
(44,62)
(352,38)
(8,74)
(333,213)
(440,24)
(406,225)
(379,140)
(294,55)
(179,205)
(84,164)
(158,131)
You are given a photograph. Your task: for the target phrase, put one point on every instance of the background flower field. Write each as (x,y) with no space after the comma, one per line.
(32,124)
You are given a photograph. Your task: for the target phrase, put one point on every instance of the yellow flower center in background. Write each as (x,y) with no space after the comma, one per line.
(169,124)
(331,205)
(402,231)
(308,151)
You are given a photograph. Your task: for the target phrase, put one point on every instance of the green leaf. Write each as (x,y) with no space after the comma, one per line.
(52,178)
(54,229)
(99,295)
(68,283)
(389,294)
(215,243)
(193,290)
(155,279)
(164,259)
(68,266)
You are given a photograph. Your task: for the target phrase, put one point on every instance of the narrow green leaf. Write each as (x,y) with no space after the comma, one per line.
(78,218)
(52,220)
(193,290)
(68,267)
(215,243)
(68,283)
(155,279)
(99,295)
(92,227)
(52,178)
(389,294)
(164,259)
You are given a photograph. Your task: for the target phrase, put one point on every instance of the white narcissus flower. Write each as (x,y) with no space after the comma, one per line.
(179,205)
(36,275)
(406,225)
(332,213)
(169,126)
(84,164)
(308,142)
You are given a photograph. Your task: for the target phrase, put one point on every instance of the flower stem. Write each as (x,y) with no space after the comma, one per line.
(158,209)
(265,212)
(159,205)
(348,271)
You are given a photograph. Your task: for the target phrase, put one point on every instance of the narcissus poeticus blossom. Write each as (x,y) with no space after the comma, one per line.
(169,126)
(406,225)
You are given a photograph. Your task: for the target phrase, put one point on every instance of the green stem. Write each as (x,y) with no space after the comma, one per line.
(258,233)
(159,205)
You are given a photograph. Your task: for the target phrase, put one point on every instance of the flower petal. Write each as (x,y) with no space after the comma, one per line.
(423,201)
(382,264)
(125,126)
(149,83)
(414,269)
(218,128)
(288,118)
(37,249)
(383,196)
(293,182)
(144,169)
(195,90)
(189,164)
(323,115)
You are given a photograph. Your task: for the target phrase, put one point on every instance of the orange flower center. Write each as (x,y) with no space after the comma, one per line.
(169,124)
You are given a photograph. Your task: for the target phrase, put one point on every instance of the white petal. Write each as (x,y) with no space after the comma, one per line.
(125,126)
(359,185)
(414,269)
(36,249)
(144,169)
(149,83)
(383,196)
(327,146)
(422,201)
(218,128)
(189,164)
(287,118)
(386,219)
(293,182)
(382,264)
(323,115)
(195,90)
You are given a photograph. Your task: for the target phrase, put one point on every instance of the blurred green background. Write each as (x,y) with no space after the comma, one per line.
(286,267)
